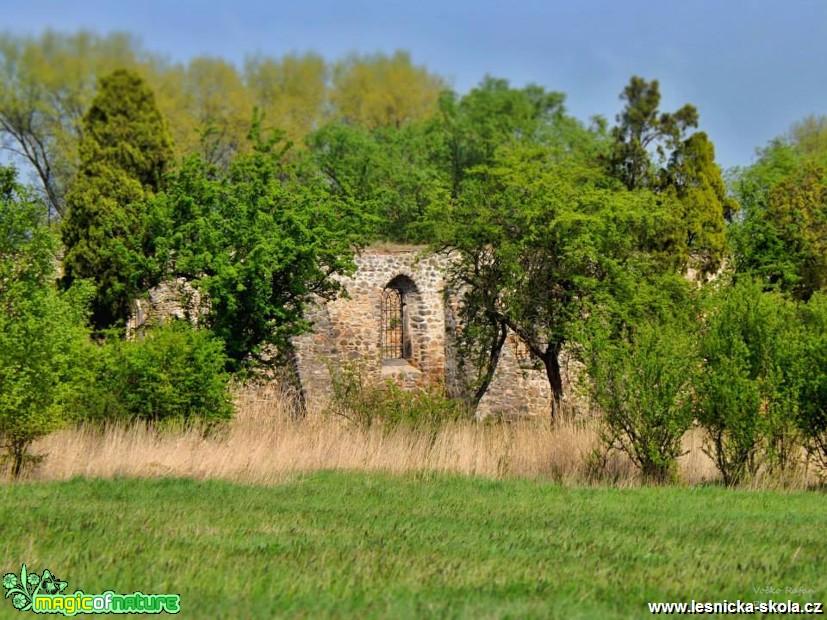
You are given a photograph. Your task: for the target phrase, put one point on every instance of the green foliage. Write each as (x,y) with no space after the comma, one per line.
(780,239)
(650,150)
(641,128)
(812,412)
(783,238)
(643,386)
(747,390)
(172,372)
(42,336)
(367,403)
(538,239)
(383,91)
(262,241)
(809,138)
(695,180)
(468,130)
(109,233)
(387,171)
(46,84)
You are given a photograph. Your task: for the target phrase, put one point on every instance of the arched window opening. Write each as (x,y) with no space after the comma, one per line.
(393,324)
(398,298)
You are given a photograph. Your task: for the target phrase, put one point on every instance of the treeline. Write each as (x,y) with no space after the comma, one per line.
(686,298)
(47,84)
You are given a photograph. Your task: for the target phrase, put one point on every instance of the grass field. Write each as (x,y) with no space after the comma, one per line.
(372,545)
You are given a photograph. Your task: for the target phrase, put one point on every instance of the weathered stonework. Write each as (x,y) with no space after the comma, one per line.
(174,298)
(412,343)
(349,330)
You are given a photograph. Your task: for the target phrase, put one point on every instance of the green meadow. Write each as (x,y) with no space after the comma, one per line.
(375,546)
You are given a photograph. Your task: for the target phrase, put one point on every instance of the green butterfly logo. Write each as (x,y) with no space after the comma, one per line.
(23,589)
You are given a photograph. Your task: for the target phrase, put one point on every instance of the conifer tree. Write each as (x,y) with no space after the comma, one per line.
(108,231)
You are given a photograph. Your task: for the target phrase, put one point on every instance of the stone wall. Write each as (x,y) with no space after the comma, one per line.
(347,334)
(174,298)
(348,330)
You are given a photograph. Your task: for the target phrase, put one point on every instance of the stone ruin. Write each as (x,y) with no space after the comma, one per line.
(398,321)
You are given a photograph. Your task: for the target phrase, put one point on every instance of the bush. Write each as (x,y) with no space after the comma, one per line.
(367,403)
(642,383)
(748,387)
(42,342)
(42,332)
(174,372)
(812,411)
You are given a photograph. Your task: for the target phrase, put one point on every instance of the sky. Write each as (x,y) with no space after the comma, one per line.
(751,67)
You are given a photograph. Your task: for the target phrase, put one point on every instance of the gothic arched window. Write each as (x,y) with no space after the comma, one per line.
(393,324)
(395,339)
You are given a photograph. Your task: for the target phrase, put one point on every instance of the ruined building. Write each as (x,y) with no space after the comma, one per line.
(399,322)
(396,322)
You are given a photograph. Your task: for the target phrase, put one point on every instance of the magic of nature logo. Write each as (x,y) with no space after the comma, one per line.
(46,594)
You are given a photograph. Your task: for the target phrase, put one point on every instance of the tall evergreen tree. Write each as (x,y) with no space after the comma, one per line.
(641,129)
(652,150)
(108,232)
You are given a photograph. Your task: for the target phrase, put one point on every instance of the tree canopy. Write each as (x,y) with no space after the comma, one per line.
(107,231)
(781,238)
(42,332)
(262,240)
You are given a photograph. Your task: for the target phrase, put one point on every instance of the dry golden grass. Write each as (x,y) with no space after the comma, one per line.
(264,444)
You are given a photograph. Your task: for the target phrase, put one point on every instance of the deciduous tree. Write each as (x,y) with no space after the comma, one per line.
(536,241)
(262,241)
(42,334)
(383,91)
(46,85)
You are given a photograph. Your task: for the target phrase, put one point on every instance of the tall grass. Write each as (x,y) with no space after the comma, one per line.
(265,442)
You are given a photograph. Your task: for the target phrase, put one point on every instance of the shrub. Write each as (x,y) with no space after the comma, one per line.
(174,372)
(386,404)
(748,387)
(42,332)
(812,411)
(642,383)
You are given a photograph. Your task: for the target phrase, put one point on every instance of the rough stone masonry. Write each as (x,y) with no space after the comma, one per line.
(398,321)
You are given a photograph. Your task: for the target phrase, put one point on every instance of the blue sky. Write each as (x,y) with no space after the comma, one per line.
(752,67)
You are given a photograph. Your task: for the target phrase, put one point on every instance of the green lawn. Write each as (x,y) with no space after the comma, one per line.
(358,545)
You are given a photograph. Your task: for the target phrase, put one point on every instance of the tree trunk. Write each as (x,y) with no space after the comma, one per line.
(491,364)
(551,360)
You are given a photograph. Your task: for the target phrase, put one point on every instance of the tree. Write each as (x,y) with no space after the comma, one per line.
(812,409)
(809,137)
(46,85)
(537,240)
(641,128)
(42,337)
(213,111)
(782,240)
(383,91)
(292,92)
(388,171)
(262,240)
(651,149)
(694,180)
(467,131)
(108,231)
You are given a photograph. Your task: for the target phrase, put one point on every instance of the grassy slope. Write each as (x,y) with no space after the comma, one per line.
(376,546)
